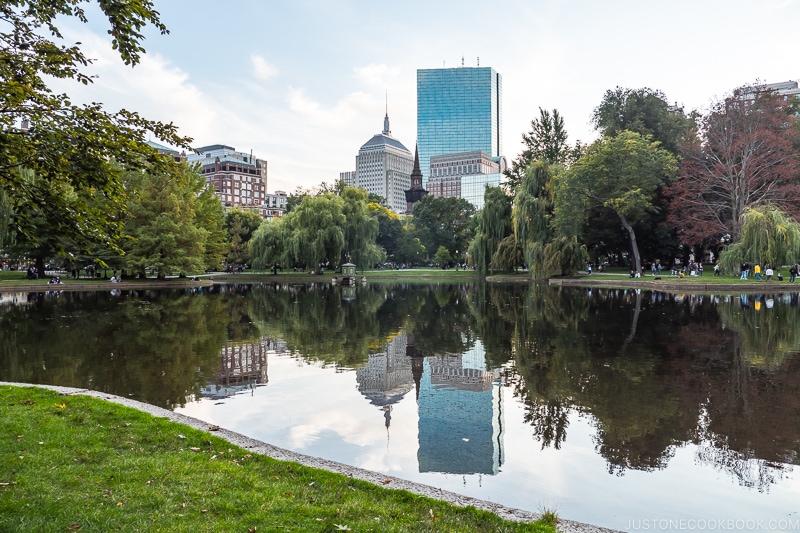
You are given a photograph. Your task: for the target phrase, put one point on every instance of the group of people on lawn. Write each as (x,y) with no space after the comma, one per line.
(767,271)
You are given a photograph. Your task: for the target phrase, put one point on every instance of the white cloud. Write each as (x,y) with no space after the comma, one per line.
(154,88)
(350,428)
(262,70)
(375,75)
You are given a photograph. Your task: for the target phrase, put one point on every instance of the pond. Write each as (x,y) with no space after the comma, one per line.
(628,409)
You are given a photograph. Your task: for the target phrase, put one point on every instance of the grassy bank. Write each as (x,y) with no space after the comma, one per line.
(70,463)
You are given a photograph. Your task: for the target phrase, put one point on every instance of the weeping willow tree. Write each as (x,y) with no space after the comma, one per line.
(533,209)
(768,235)
(360,229)
(267,246)
(565,255)
(493,225)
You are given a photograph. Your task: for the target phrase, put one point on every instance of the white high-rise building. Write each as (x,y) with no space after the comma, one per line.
(383,167)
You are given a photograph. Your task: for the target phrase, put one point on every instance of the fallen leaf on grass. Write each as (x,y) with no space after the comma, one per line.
(73,527)
(195,449)
(342,527)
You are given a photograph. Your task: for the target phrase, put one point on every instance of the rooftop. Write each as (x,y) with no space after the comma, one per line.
(381,139)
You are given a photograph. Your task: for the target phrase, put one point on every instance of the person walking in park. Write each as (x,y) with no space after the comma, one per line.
(757,271)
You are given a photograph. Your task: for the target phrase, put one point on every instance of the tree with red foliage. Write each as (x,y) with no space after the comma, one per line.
(744,155)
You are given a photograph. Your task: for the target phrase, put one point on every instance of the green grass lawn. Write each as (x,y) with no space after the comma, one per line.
(708,277)
(76,463)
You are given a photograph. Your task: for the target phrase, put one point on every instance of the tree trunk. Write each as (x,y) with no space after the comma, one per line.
(40,267)
(637,262)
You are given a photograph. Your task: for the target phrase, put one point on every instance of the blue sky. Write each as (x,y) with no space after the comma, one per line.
(304,83)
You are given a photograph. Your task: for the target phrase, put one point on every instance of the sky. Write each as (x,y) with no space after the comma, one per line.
(304,83)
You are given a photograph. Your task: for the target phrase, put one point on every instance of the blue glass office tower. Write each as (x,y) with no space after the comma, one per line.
(458,110)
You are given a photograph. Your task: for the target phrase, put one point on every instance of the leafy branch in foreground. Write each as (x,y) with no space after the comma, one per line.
(78,148)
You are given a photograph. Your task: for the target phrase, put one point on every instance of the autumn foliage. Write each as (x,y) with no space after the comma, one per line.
(743,155)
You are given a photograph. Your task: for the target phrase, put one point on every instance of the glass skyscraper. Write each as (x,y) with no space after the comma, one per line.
(458,110)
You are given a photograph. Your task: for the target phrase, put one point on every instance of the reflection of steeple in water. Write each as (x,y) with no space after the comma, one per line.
(417,362)
(460,416)
(386,377)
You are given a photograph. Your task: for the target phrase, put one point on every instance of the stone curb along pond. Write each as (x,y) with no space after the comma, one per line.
(256,446)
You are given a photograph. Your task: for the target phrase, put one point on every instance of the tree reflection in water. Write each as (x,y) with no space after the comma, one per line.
(652,372)
(656,371)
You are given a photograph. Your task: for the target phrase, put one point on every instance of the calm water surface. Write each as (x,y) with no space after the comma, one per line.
(632,410)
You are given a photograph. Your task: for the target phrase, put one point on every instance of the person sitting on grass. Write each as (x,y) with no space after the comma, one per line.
(768,272)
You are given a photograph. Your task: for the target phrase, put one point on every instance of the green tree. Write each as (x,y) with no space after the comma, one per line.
(210,216)
(532,214)
(410,249)
(237,246)
(565,255)
(268,247)
(644,111)
(442,256)
(249,220)
(444,222)
(647,112)
(162,226)
(493,225)
(40,242)
(360,228)
(240,224)
(547,141)
(621,173)
(77,149)
(314,233)
(390,229)
(294,198)
(768,235)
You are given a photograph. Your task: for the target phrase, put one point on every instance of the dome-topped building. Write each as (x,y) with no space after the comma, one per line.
(383,167)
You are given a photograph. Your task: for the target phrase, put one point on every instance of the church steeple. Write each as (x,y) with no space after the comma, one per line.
(416,174)
(416,192)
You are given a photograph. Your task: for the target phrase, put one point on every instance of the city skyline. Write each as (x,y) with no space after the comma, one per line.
(302,84)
